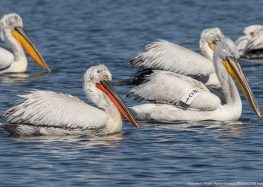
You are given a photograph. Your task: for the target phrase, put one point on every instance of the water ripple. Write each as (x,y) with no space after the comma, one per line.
(73,35)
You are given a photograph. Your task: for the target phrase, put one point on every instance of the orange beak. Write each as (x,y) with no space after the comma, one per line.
(20,35)
(106,88)
(235,70)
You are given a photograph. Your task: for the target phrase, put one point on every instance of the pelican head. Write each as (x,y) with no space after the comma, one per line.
(11,25)
(98,73)
(252,29)
(10,21)
(100,77)
(208,40)
(228,54)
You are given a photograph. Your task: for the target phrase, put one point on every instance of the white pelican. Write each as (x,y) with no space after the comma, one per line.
(168,56)
(250,46)
(178,97)
(12,33)
(51,113)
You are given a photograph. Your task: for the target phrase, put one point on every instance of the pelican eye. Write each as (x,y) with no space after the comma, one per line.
(215,41)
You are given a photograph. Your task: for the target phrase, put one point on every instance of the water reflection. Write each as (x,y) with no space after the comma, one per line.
(14,78)
(86,142)
(226,128)
(72,36)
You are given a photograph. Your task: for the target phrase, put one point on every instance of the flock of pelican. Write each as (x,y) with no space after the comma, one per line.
(180,97)
(175,82)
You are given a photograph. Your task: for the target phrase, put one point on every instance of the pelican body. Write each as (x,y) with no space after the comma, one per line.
(250,45)
(168,56)
(50,113)
(12,33)
(179,97)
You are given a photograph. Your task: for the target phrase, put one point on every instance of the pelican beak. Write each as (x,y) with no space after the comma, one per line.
(20,35)
(235,70)
(106,87)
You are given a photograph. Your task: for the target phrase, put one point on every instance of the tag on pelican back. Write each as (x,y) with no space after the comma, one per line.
(189,96)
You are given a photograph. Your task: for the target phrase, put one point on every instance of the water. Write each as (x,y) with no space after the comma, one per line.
(73,35)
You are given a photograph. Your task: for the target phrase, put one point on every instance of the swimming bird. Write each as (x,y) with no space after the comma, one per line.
(51,113)
(179,97)
(250,45)
(12,33)
(168,56)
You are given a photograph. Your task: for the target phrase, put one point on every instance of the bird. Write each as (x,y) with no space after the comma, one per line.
(13,34)
(176,97)
(50,113)
(168,56)
(250,45)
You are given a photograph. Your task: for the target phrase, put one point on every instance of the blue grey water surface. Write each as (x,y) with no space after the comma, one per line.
(73,35)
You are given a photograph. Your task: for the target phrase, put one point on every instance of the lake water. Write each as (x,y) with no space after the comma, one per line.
(72,35)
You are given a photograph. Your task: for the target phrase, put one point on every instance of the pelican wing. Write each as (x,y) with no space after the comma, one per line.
(164,55)
(50,109)
(6,59)
(171,88)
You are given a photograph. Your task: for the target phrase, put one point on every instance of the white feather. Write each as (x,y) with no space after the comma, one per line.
(164,55)
(50,113)
(50,109)
(6,58)
(252,40)
(169,87)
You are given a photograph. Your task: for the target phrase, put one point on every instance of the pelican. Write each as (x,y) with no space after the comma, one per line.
(168,56)
(12,33)
(250,46)
(51,113)
(179,97)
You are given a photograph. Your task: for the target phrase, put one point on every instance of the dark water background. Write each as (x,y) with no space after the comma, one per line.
(72,35)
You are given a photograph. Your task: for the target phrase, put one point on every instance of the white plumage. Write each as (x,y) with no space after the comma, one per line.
(6,59)
(47,108)
(50,113)
(12,33)
(165,55)
(168,56)
(166,89)
(171,87)
(250,45)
